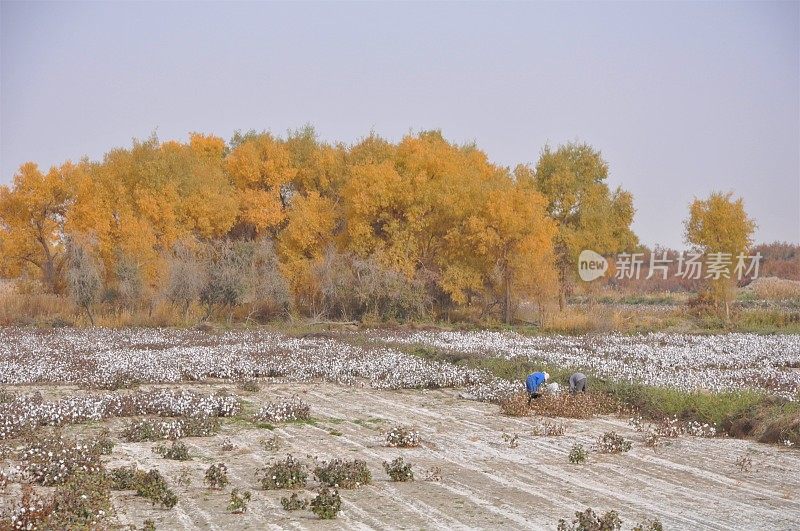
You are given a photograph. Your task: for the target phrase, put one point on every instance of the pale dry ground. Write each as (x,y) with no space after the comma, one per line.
(690,484)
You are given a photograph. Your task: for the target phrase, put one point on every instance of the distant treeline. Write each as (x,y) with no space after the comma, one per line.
(296,225)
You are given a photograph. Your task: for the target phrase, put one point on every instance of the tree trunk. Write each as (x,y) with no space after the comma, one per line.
(507,301)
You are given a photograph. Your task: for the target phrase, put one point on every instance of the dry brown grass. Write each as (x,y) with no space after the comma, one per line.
(38,309)
(516,406)
(775,289)
(20,309)
(580,406)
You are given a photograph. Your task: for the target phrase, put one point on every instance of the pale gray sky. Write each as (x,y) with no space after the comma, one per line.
(682,98)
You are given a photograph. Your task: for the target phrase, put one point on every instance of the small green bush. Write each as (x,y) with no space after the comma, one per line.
(287,474)
(82,502)
(343,474)
(150,485)
(327,504)
(217,476)
(294,502)
(399,470)
(578,454)
(611,443)
(251,386)
(588,520)
(178,451)
(239,501)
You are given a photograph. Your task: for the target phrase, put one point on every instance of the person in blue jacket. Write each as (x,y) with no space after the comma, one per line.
(534,383)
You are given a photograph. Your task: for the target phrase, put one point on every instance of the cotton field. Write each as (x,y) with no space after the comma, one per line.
(103,358)
(89,411)
(687,362)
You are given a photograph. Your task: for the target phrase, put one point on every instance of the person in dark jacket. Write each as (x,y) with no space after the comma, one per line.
(577,383)
(534,383)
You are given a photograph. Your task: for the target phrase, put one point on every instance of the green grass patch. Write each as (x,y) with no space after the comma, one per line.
(743,414)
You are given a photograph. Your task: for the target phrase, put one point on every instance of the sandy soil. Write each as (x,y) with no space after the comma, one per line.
(689,484)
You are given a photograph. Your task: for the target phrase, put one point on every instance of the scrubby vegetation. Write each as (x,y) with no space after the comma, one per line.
(286,474)
(343,474)
(611,443)
(399,470)
(239,501)
(216,476)
(588,520)
(177,451)
(159,429)
(578,454)
(294,503)
(403,437)
(150,485)
(326,504)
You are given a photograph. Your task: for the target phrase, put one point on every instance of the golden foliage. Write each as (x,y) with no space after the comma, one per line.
(720,224)
(425,209)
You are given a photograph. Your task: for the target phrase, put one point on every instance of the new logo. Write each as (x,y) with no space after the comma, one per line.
(591,265)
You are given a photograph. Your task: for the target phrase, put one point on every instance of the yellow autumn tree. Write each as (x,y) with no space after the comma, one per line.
(720,228)
(400,202)
(260,167)
(589,215)
(32,215)
(320,166)
(302,243)
(138,202)
(505,250)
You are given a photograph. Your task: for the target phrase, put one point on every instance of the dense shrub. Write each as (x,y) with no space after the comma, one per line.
(216,476)
(130,282)
(159,429)
(403,437)
(293,503)
(269,293)
(399,470)
(84,281)
(354,288)
(150,485)
(578,454)
(185,277)
(251,386)
(32,512)
(327,504)
(516,405)
(82,502)
(287,474)
(343,474)
(588,520)
(50,459)
(611,443)
(579,406)
(239,501)
(226,274)
(177,451)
